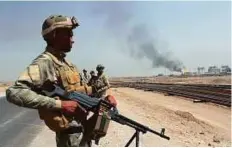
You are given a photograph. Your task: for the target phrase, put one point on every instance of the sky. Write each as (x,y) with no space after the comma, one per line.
(128,38)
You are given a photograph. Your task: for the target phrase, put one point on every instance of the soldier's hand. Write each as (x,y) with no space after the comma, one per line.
(72,108)
(111,100)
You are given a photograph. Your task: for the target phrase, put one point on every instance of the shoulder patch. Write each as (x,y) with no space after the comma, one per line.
(34,72)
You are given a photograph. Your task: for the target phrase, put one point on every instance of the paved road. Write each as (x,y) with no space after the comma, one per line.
(18,126)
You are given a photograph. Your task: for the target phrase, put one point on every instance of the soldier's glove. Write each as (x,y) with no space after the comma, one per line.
(111,99)
(73,108)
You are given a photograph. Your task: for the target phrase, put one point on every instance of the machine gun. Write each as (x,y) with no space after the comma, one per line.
(104,111)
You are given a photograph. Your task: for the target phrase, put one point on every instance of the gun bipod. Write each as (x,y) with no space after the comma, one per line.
(136,137)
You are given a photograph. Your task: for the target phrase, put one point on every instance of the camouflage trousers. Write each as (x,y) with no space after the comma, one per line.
(73,137)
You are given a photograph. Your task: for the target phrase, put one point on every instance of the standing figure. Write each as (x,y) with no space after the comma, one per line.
(65,118)
(101,83)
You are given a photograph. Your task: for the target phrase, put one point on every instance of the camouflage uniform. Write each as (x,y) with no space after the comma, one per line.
(100,84)
(92,80)
(52,66)
(85,78)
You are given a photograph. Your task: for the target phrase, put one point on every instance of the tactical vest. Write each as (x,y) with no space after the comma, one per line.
(98,84)
(67,77)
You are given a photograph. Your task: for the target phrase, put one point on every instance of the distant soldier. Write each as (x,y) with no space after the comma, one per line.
(101,84)
(92,73)
(92,79)
(85,77)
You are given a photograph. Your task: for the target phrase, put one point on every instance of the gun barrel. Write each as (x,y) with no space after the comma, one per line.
(161,134)
(124,120)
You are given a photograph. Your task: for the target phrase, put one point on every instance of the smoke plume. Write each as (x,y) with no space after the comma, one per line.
(137,37)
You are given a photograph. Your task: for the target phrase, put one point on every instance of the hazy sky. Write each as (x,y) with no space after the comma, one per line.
(129,38)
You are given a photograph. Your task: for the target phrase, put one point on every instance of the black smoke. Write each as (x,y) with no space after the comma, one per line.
(139,40)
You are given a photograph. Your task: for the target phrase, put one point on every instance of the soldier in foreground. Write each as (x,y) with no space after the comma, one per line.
(58,115)
(101,83)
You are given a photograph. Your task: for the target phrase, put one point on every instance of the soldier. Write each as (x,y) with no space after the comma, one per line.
(63,117)
(101,84)
(85,76)
(92,73)
(92,78)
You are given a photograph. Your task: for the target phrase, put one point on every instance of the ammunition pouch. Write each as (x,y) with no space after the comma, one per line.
(97,126)
(101,126)
(54,120)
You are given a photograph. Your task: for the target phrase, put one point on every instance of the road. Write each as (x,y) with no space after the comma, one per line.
(18,126)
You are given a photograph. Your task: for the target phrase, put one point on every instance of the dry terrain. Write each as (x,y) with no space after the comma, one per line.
(187,124)
(179,80)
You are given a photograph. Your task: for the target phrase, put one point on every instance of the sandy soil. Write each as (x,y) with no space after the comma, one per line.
(186,123)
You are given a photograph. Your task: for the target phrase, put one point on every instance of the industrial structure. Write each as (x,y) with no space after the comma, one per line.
(212,70)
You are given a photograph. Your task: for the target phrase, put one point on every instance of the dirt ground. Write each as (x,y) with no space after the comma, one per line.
(195,80)
(223,80)
(186,123)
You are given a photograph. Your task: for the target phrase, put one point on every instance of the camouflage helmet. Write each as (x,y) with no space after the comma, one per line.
(100,67)
(58,21)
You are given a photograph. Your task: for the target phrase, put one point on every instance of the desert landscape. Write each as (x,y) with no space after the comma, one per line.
(168,65)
